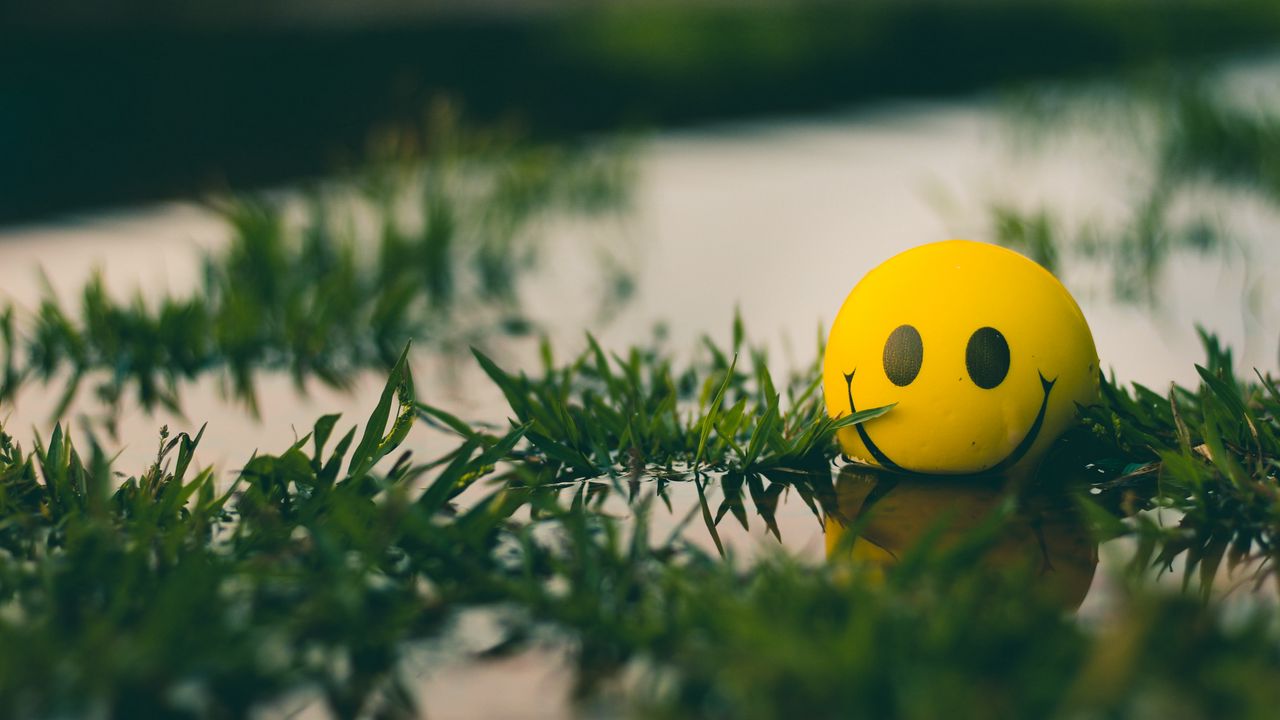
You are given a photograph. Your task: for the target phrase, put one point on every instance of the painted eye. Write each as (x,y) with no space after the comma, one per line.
(903,353)
(987,357)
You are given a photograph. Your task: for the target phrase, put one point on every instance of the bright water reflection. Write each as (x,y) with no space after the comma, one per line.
(880,519)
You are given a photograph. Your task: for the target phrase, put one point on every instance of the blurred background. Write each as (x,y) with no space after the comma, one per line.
(126,101)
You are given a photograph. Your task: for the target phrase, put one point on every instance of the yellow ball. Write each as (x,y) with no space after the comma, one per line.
(983,354)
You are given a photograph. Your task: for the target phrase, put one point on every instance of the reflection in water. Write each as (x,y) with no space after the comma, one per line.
(892,513)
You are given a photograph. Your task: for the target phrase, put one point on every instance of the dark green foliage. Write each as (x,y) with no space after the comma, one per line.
(1209,137)
(158,74)
(785,641)
(1031,234)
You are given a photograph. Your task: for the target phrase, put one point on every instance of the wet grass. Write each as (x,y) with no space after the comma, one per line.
(1212,453)
(162,594)
(639,413)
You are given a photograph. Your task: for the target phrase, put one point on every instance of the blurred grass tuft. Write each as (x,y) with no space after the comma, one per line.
(431,249)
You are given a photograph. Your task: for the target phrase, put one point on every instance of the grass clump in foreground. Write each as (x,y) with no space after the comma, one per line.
(163,596)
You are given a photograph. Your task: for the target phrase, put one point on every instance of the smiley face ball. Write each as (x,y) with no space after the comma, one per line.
(982,353)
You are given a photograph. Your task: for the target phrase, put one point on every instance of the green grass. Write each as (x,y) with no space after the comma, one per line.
(1208,453)
(1213,453)
(168,597)
(636,413)
(163,595)
(1202,148)
(431,250)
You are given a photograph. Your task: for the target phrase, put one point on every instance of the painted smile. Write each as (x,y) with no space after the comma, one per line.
(1010,459)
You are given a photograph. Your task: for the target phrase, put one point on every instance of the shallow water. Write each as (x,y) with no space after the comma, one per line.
(777,220)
